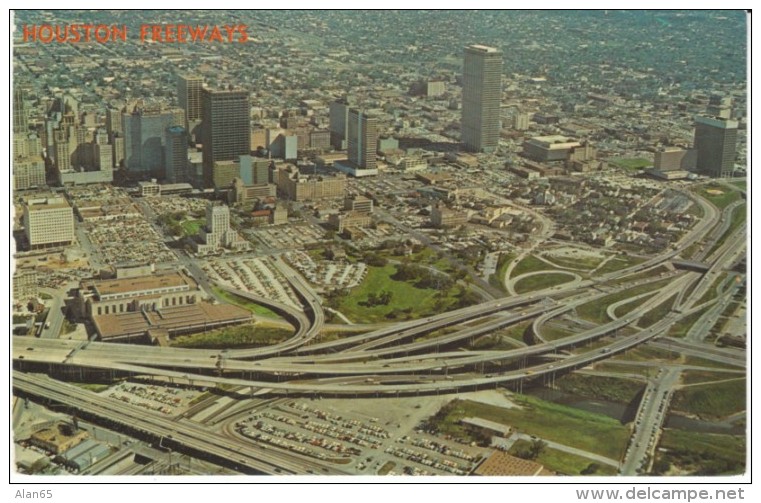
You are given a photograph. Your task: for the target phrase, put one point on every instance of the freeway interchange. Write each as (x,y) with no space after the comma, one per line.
(390,361)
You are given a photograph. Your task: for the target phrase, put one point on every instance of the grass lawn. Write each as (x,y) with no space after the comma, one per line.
(681,327)
(246,304)
(625,309)
(497,280)
(595,311)
(647,354)
(715,400)
(550,332)
(407,301)
(623,368)
(494,342)
(704,376)
(702,362)
(541,281)
(241,336)
(657,313)
(190,227)
(600,387)
(650,273)
(702,453)
(566,425)
(688,252)
(530,264)
(722,197)
(582,262)
(563,462)
(619,262)
(712,291)
(740,184)
(515,331)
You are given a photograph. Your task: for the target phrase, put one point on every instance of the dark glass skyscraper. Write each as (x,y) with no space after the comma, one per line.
(716,144)
(226,130)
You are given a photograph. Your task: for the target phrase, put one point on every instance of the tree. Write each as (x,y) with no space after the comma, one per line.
(590,469)
(537,447)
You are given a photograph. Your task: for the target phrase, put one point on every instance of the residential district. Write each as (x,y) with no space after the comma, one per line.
(381,243)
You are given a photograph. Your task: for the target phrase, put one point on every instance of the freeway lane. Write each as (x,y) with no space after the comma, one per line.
(247,455)
(649,419)
(402,384)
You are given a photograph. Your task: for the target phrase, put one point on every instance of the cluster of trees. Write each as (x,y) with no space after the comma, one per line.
(378,299)
(334,297)
(172,221)
(400,313)
(531,451)
(375,260)
(422,277)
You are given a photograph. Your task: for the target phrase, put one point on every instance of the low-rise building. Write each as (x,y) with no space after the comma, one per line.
(24,284)
(58,438)
(342,221)
(502,464)
(241,194)
(549,148)
(443,217)
(292,185)
(132,308)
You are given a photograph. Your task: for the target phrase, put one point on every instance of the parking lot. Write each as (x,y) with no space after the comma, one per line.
(295,236)
(165,400)
(374,436)
(256,275)
(326,274)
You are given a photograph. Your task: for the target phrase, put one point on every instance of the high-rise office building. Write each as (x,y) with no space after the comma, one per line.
(28,173)
(226,129)
(339,117)
(719,106)
(144,132)
(48,222)
(363,140)
(20,124)
(716,144)
(176,155)
(217,233)
(189,94)
(481,97)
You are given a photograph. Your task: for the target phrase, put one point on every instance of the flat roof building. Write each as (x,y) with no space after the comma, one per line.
(362,147)
(226,131)
(675,159)
(481,98)
(549,148)
(48,222)
(716,144)
(189,95)
(292,185)
(129,307)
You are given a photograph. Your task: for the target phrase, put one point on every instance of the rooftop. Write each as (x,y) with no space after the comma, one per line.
(142,283)
(483,48)
(501,464)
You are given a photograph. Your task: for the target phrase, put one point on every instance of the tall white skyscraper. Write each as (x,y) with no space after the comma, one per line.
(481,97)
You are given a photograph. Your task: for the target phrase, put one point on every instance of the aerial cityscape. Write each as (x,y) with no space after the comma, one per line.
(379,243)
